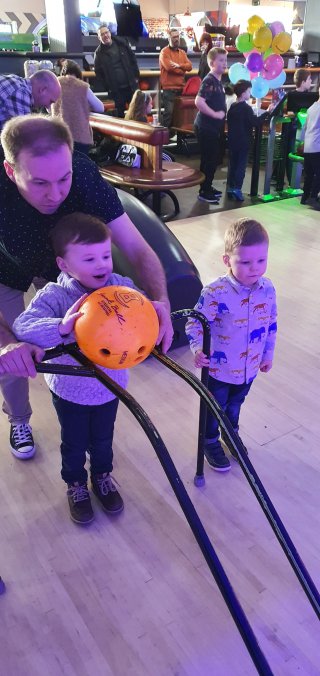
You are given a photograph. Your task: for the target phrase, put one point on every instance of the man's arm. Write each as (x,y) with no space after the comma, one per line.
(149,269)
(17,359)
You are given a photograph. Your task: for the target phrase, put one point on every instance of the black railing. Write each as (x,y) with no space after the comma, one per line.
(87,369)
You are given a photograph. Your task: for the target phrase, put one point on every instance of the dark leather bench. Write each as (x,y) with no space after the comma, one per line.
(154,175)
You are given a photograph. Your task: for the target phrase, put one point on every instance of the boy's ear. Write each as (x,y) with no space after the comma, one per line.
(226,260)
(61,264)
(9,169)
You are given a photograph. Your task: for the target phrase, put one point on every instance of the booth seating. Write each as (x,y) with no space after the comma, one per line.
(154,175)
(183,116)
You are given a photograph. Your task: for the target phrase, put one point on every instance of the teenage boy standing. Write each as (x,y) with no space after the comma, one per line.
(209,122)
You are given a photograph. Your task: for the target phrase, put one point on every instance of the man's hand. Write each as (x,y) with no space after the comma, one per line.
(173,64)
(165,325)
(200,359)
(18,359)
(219,114)
(67,323)
(265,366)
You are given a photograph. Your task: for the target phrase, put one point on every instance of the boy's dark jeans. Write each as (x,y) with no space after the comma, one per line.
(230,397)
(209,143)
(311,186)
(85,428)
(237,167)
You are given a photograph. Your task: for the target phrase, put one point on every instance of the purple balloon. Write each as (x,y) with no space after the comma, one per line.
(272,67)
(254,62)
(276,27)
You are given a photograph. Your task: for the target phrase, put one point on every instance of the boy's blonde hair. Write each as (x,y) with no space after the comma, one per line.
(244,232)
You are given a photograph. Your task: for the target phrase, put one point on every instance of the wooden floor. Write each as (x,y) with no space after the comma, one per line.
(132,596)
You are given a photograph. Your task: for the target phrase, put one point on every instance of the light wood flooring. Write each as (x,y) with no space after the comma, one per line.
(132,595)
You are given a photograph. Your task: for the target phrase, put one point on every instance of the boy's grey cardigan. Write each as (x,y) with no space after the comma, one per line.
(39,324)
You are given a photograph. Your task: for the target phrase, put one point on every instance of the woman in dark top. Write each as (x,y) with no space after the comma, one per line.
(205,46)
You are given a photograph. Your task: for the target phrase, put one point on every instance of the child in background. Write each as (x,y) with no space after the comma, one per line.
(140,107)
(240,120)
(209,122)
(86,409)
(241,309)
(311,186)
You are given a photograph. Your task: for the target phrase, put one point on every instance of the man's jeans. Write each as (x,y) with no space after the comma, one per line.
(168,96)
(230,397)
(85,428)
(15,391)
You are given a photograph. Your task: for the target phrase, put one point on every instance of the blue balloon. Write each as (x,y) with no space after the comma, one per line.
(260,87)
(278,81)
(238,71)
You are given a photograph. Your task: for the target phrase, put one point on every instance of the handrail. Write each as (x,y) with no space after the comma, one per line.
(88,369)
(250,473)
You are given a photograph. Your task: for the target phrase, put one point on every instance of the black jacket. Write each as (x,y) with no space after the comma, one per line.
(103,66)
(203,65)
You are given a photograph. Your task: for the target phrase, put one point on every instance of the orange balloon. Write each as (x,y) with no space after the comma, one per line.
(118,328)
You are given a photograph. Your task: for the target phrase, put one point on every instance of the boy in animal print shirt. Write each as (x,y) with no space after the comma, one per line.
(241,308)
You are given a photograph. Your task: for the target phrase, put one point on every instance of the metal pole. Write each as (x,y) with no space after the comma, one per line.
(180,492)
(251,475)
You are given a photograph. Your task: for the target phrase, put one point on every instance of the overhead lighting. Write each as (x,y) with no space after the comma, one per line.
(187,13)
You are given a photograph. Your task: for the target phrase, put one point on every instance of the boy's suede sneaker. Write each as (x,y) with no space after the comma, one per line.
(21,441)
(226,443)
(79,503)
(237,193)
(106,492)
(216,458)
(208,196)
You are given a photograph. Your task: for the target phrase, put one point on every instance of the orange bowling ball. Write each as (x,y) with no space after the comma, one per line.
(118,328)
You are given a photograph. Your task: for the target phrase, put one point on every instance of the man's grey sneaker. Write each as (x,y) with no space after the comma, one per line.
(79,503)
(208,197)
(216,192)
(216,458)
(21,441)
(106,492)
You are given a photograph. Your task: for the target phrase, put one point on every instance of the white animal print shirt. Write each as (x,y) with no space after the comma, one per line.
(243,323)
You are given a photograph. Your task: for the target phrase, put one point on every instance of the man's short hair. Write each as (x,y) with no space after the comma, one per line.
(173,30)
(244,232)
(213,53)
(241,86)
(300,76)
(39,134)
(44,77)
(78,228)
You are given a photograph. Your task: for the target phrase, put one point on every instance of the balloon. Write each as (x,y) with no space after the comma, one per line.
(238,71)
(276,27)
(267,53)
(254,23)
(244,42)
(118,328)
(254,62)
(278,81)
(281,43)
(253,75)
(272,66)
(260,87)
(262,38)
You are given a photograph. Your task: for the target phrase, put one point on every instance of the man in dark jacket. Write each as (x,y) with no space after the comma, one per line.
(116,68)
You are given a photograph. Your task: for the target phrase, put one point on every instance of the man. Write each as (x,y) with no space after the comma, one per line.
(19,95)
(41,181)
(116,67)
(174,64)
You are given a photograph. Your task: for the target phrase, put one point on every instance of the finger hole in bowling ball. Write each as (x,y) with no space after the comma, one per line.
(141,349)
(105,351)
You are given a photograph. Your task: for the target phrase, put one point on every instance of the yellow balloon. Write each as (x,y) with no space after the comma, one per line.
(262,38)
(281,43)
(254,23)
